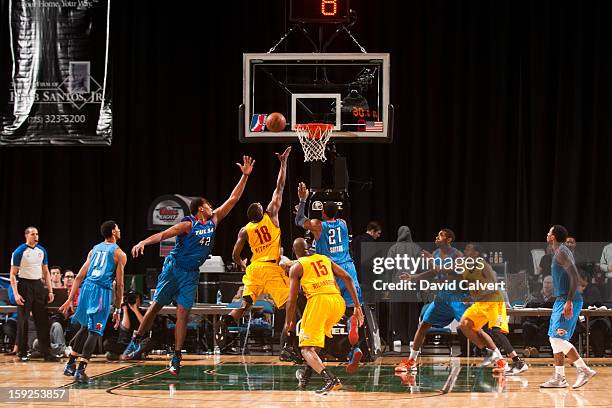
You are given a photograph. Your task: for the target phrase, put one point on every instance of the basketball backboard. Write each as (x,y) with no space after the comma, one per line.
(348,90)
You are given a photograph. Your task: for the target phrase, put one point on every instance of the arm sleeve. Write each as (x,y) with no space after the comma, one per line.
(45,258)
(300,218)
(16,257)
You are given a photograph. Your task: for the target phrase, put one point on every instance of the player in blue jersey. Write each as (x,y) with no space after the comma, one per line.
(447,305)
(178,280)
(566,310)
(331,238)
(104,264)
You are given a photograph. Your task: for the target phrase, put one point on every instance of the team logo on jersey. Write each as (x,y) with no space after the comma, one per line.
(204,231)
(98,326)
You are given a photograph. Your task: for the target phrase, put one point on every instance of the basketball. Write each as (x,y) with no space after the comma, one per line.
(276,122)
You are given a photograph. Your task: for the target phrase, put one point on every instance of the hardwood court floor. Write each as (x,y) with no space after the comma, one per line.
(266,382)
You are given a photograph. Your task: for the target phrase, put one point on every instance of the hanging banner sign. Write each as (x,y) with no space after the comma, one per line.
(58,90)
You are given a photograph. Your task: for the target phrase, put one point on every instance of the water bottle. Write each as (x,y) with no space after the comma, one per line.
(219,297)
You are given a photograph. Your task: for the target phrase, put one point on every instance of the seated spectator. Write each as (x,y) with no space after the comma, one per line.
(599,327)
(56,335)
(544,269)
(130,321)
(9,328)
(56,276)
(535,329)
(68,281)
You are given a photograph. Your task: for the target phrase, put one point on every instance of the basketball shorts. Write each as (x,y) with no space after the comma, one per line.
(176,284)
(266,277)
(560,327)
(349,267)
(322,312)
(93,308)
(441,313)
(491,313)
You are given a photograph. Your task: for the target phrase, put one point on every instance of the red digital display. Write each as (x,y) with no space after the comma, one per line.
(319,11)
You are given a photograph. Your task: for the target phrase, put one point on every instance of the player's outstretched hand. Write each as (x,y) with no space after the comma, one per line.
(66,309)
(283,157)
(138,249)
(302,191)
(247,167)
(406,276)
(358,313)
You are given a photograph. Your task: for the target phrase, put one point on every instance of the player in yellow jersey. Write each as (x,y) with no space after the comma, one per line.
(489,309)
(324,308)
(263,275)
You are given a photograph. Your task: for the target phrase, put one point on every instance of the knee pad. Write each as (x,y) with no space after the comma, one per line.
(560,345)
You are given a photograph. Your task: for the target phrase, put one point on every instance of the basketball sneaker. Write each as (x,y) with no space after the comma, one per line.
(70,369)
(584,375)
(407,379)
(556,381)
(303,376)
(490,358)
(289,354)
(175,365)
(406,365)
(133,350)
(81,377)
(500,366)
(354,359)
(353,330)
(331,383)
(518,367)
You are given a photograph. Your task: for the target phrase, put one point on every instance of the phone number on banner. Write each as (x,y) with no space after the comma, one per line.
(57,119)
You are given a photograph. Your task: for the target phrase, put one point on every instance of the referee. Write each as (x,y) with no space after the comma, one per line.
(29,261)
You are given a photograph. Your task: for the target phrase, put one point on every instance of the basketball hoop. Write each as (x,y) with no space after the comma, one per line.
(313,138)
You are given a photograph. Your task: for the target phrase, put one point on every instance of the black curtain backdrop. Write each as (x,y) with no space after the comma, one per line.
(503,125)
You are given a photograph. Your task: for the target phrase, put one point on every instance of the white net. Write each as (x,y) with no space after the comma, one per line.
(313,138)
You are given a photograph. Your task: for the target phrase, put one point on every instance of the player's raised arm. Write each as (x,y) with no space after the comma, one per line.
(240,241)
(277,196)
(313,225)
(246,167)
(295,273)
(178,229)
(350,285)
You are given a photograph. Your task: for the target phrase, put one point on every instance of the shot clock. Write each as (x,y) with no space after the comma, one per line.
(319,11)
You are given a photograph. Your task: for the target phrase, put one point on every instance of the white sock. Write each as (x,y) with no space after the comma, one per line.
(580,363)
(414,354)
(560,370)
